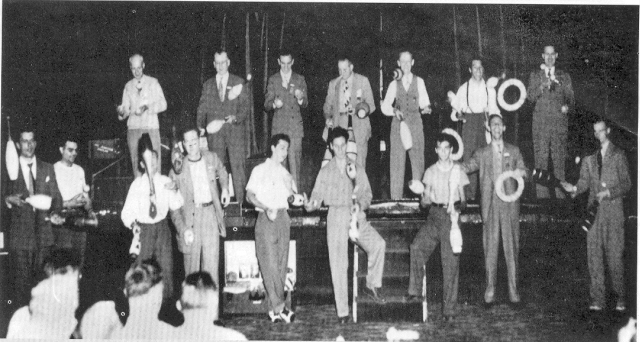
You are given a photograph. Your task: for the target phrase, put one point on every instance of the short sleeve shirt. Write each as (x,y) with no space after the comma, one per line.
(70,179)
(438,179)
(271,183)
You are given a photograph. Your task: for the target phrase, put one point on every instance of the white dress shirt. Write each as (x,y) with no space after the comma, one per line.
(136,206)
(478,96)
(423,97)
(24,167)
(222,80)
(271,183)
(200,181)
(285,78)
(70,179)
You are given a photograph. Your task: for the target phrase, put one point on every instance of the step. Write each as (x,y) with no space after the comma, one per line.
(395,265)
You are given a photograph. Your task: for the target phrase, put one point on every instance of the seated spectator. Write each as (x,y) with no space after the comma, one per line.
(199,303)
(143,287)
(51,311)
(100,321)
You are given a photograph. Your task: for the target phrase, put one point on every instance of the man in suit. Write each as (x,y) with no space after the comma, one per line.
(498,217)
(200,221)
(411,102)
(30,233)
(343,95)
(286,95)
(552,92)
(224,97)
(606,175)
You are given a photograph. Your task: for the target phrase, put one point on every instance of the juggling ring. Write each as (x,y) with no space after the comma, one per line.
(500,186)
(523,94)
(457,155)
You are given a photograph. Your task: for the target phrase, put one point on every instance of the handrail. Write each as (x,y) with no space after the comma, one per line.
(93,176)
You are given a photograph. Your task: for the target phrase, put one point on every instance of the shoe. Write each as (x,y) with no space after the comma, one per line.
(448,318)
(287,315)
(343,320)
(516,305)
(409,298)
(374,294)
(275,317)
(620,307)
(219,323)
(488,305)
(595,307)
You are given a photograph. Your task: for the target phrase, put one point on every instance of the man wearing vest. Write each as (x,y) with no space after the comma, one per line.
(411,100)
(224,97)
(344,94)
(473,104)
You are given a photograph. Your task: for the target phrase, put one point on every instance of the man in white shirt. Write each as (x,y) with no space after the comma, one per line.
(269,187)
(142,101)
(147,206)
(411,100)
(473,103)
(74,191)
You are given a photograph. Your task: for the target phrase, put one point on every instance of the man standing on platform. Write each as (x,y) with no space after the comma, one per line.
(411,100)
(498,217)
(343,95)
(472,102)
(335,188)
(146,206)
(437,193)
(224,97)
(552,92)
(200,221)
(142,101)
(287,94)
(31,235)
(74,190)
(606,175)
(269,187)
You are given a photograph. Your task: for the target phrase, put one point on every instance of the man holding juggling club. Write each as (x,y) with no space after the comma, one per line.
(34,202)
(605,174)
(500,165)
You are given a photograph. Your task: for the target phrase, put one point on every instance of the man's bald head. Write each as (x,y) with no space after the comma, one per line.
(136,62)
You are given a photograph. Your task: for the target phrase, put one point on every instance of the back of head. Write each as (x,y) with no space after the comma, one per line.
(198,289)
(141,277)
(61,261)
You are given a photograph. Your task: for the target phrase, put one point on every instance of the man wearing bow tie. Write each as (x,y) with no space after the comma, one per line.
(343,95)
(225,97)
(31,235)
(501,220)
(552,93)
(287,95)
(142,101)
(605,174)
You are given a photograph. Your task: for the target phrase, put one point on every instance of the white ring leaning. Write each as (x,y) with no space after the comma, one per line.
(500,186)
(457,155)
(523,94)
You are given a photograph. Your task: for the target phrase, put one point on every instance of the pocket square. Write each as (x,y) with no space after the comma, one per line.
(46,180)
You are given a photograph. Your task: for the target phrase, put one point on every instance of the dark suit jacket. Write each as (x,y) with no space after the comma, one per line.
(183,217)
(482,160)
(211,108)
(615,175)
(547,102)
(29,230)
(286,119)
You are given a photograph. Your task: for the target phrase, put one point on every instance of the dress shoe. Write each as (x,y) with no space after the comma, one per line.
(409,298)
(516,305)
(374,294)
(275,317)
(448,318)
(287,315)
(219,323)
(343,319)
(621,306)
(488,305)
(595,308)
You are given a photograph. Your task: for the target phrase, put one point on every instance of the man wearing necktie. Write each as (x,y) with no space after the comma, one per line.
(411,102)
(501,220)
(225,97)
(286,96)
(30,231)
(552,92)
(606,175)
(343,95)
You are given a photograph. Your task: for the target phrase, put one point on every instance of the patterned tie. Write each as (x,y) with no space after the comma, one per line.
(599,159)
(221,90)
(31,181)
(345,95)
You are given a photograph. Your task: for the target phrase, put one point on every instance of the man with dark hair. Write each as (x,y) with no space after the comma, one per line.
(51,311)
(74,191)
(552,92)
(439,193)
(148,202)
(224,97)
(474,103)
(30,233)
(344,94)
(343,186)
(286,95)
(406,100)
(269,187)
(200,221)
(499,218)
(142,101)
(606,175)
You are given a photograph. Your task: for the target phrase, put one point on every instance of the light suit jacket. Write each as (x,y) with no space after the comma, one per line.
(482,161)
(183,218)
(615,174)
(361,127)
